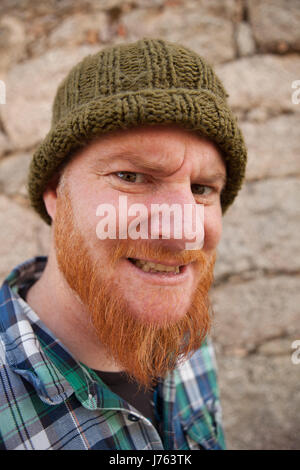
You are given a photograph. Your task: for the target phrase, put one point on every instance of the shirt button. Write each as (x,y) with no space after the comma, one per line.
(133,417)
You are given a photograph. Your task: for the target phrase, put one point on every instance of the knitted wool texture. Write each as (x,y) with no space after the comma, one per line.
(151,81)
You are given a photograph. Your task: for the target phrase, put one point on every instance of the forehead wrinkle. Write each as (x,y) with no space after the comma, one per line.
(210,162)
(156,165)
(158,159)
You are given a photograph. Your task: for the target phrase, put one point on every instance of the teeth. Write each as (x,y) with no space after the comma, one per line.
(148,266)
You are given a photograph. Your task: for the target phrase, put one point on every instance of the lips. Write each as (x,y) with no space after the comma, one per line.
(150,266)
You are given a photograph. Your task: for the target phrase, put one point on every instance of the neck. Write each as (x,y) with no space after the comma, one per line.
(63,313)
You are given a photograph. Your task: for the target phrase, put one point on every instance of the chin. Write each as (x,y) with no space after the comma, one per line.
(159,313)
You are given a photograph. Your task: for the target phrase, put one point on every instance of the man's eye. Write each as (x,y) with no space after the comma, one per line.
(201,189)
(130,176)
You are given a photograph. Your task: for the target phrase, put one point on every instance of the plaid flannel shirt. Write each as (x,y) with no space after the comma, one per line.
(48,400)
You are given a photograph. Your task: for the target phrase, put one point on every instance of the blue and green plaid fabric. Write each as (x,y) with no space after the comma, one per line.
(50,401)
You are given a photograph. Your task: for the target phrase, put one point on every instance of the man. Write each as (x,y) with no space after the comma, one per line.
(105,343)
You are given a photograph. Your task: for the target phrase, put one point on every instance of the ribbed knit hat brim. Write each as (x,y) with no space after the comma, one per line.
(200,109)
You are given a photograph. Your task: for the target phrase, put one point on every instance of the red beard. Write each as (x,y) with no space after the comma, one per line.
(145,350)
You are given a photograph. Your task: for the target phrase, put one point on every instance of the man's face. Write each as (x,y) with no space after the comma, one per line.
(145,319)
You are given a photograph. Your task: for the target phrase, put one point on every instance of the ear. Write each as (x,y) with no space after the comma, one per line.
(50,196)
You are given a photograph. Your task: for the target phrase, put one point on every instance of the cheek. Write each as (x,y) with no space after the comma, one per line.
(213,228)
(92,204)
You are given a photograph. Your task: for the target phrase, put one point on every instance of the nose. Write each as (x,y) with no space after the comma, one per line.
(177,220)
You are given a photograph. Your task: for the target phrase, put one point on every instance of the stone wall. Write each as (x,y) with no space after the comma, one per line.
(255,47)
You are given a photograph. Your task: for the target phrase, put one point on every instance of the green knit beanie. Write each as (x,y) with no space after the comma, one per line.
(151,81)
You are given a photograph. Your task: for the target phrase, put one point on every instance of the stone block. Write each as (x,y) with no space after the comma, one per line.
(13,173)
(261,84)
(12,42)
(249,314)
(195,27)
(244,39)
(31,88)
(260,400)
(18,235)
(261,230)
(273,147)
(275,24)
(80,29)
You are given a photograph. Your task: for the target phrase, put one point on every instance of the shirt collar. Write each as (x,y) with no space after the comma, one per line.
(19,327)
(34,352)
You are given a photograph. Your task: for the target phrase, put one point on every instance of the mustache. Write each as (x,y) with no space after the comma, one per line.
(145,350)
(154,251)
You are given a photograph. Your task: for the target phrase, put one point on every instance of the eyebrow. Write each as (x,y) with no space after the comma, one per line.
(158,168)
(137,161)
(214,177)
